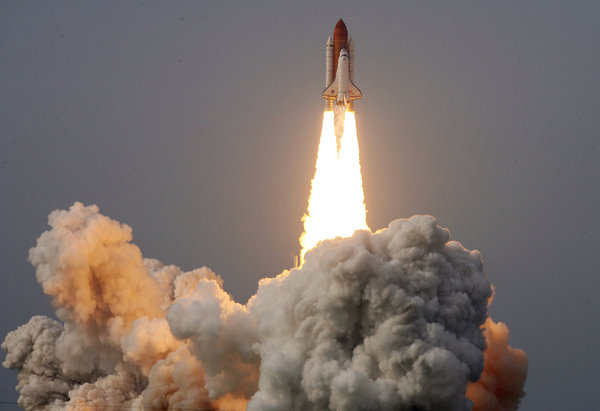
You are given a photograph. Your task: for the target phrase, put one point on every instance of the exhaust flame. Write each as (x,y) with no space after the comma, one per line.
(336,206)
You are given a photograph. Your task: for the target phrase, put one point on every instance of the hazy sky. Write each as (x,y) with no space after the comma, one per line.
(197,124)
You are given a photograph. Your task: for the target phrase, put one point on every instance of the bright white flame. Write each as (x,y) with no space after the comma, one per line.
(336,206)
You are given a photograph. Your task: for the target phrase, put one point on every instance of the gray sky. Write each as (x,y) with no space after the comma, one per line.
(197,124)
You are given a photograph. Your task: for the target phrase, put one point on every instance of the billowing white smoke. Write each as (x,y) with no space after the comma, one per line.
(222,334)
(389,320)
(113,307)
(378,321)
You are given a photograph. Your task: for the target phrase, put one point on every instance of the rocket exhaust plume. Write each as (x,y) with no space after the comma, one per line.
(391,320)
(336,205)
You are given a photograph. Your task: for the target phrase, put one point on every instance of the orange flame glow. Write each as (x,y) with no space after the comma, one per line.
(336,206)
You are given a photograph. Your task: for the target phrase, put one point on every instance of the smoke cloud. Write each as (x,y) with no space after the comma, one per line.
(113,337)
(395,319)
(500,387)
(389,320)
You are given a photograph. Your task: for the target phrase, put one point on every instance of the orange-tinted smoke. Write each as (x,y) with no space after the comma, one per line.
(500,387)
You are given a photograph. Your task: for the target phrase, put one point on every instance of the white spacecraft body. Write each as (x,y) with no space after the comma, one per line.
(339,69)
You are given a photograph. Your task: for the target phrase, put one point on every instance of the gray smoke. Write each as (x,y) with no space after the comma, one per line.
(379,321)
(32,350)
(112,304)
(222,334)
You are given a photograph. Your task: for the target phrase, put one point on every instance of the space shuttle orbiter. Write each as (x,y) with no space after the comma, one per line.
(339,69)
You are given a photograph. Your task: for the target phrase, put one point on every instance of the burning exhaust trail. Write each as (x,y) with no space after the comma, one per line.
(336,206)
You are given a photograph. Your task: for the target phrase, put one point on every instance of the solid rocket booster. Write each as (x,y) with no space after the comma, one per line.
(339,69)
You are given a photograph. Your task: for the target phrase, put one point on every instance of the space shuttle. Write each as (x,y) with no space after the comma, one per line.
(339,69)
